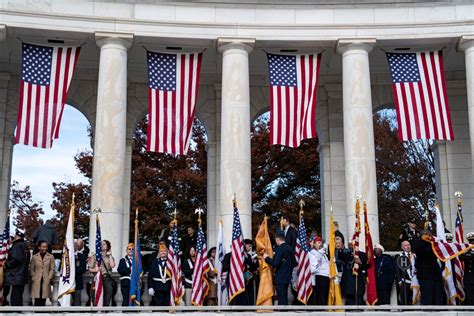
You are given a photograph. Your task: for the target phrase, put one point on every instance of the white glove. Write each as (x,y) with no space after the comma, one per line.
(151,291)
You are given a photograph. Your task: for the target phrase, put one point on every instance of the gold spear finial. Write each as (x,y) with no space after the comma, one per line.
(174,220)
(136,214)
(234,200)
(73,198)
(302,204)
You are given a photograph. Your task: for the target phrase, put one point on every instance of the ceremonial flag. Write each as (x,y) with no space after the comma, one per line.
(447,251)
(4,253)
(46,73)
(136,271)
(415,285)
(98,286)
(419,90)
(236,275)
(293,92)
(458,265)
(335,296)
(173,265)
(264,245)
(369,248)
(200,285)
(447,273)
(355,236)
(173,81)
(303,272)
(222,296)
(67,275)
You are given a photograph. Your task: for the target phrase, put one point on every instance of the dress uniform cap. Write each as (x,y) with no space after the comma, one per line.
(470,236)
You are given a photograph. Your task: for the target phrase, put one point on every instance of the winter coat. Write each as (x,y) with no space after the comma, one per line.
(41,268)
(16,266)
(46,232)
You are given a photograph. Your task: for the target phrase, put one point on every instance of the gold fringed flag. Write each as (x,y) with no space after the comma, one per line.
(369,248)
(355,237)
(264,245)
(335,297)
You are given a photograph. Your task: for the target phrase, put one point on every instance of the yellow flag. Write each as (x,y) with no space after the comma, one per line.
(265,289)
(335,297)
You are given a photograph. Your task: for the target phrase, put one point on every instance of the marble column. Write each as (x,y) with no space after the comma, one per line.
(235,135)
(466,44)
(126,197)
(359,148)
(211,149)
(108,175)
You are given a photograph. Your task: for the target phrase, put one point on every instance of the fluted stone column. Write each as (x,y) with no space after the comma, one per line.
(359,148)
(211,148)
(126,197)
(466,44)
(235,135)
(6,148)
(108,175)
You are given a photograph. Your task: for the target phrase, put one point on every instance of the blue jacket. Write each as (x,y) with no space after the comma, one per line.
(283,261)
(385,272)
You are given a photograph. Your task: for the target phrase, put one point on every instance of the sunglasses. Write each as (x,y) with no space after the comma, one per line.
(130,249)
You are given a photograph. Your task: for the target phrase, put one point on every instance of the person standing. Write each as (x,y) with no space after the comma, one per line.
(428,271)
(159,282)
(353,285)
(320,266)
(125,269)
(250,272)
(385,274)
(337,232)
(283,261)
(289,232)
(404,276)
(188,271)
(46,233)
(190,239)
(108,263)
(409,232)
(42,274)
(468,280)
(16,268)
(81,268)
(211,298)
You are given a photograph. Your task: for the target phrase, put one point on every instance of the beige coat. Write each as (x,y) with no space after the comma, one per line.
(41,268)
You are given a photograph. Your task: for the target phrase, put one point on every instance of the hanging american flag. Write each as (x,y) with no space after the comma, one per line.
(303,273)
(458,265)
(236,274)
(46,73)
(419,90)
(173,81)
(293,91)
(98,286)
(200,283)
(173,265)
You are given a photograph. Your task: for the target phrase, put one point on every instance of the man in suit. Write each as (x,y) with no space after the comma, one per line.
(385,274)
(468,259)
(353,286)
(289,232)
(283,262)
(404,277)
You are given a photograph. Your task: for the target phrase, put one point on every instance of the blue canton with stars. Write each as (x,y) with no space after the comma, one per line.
(98,244)
(36,64)
(161,71)
(403,67)
(200,240)
(282,70)
(174,244)
(459,218)
(236,229)
(302,236)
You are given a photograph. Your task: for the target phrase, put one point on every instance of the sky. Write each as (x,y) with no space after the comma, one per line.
(39,168)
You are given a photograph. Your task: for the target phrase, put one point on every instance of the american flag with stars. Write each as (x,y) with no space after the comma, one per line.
(236,274)
(419,90)
(303,272)
(201,267)
(46,74)
(173,265)
(98,278)
(173,81)
(458,265)
(4,247)
(293,92)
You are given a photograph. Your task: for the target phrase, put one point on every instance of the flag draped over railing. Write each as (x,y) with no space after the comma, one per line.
(355,236)
(264,245)
(369,248)
(293,94)
(173,81)
(334,297)
(136,269)
(303,273)
(46,73)
(419,90)
(67,275)
(173,265)
(200,286)
(236,273)
(98,278)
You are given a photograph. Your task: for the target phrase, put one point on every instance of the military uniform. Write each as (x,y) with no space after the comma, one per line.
(160,282)
(413,236)
(468,259)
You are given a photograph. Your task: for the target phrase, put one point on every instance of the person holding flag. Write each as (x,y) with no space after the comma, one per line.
(159,278)
(334,296)
(173,265)
(125,271)
(264,245)
(67,275)
(136,269)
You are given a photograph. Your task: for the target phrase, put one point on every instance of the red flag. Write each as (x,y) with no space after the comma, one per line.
(355,237)
(369,249)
